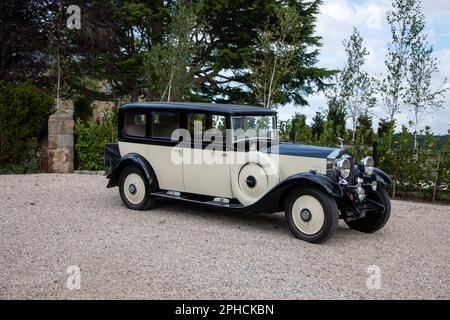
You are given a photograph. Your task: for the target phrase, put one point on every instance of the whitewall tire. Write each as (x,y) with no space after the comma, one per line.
(311,214)
(134,189)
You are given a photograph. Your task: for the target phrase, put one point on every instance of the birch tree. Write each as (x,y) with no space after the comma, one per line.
(356,88)
(422,96)
(406,21)
(169,66)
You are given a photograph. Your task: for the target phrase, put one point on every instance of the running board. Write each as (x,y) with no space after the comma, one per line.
(210,201)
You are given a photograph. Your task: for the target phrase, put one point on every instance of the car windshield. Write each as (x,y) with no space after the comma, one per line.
(245,127)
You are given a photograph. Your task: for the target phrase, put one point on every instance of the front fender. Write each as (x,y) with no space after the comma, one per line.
(274,199)
(138,161)
(382,177)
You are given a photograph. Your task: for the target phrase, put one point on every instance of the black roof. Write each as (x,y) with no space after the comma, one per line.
(233,109)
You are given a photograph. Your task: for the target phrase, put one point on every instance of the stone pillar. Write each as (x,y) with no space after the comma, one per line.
(60,142)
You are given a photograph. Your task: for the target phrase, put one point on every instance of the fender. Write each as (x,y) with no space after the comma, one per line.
(382,177)
(274,200)
(138,161)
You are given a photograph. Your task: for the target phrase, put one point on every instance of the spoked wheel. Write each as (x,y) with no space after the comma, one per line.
(134,189)
(374,220)
(312,215)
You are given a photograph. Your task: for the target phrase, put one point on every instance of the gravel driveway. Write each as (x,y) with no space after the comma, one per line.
(49,222)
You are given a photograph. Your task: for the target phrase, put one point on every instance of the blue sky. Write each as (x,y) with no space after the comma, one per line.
(335,23)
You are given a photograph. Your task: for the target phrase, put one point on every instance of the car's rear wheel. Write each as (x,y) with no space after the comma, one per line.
(312,215)
(134,189)
(374,220)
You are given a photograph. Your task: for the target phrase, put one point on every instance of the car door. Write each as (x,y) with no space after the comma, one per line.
(163,151)
(206,169)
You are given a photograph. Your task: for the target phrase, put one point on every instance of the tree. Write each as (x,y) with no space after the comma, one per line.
(335,118)
(284,126)
(356,90)
(169,66)
(233,51)
(23,41)
(24,112)
(317,126)
(300,131)
(364,130)
(405,21)
(421,96)
(385,152)
(275,55)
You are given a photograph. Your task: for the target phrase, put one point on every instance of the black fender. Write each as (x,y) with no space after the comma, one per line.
(274,200)
(382,177)
(138,161)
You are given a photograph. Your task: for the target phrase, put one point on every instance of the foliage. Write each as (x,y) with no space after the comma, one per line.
(168,66)
(82,108)
(317,126)
(336,115)
(23,40)
(91,140)
(274,63)
(404,20)
(421,96)
(356,90)
(300,132)
(24,110)
(117,36)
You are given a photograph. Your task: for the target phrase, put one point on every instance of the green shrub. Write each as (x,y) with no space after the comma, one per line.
(82,107)
(24,112)
(91,140)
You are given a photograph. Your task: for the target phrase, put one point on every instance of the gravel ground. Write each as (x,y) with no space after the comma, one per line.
(178,251)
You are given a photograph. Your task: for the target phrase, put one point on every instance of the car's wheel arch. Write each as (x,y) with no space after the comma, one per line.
(134,159)
(275,199)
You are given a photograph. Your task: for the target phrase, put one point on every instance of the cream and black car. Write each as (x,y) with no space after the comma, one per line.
(228,156)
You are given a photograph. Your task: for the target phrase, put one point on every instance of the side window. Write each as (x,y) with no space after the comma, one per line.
(219,123)
(217,129)
(196,121)
(135,123)
(163,124)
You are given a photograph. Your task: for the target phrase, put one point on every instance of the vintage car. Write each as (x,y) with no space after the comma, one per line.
(204,153)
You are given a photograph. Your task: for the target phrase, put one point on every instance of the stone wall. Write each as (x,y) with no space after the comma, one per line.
(61,142)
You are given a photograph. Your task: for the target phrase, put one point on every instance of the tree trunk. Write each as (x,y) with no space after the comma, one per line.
(169,93)
(58,84)
(135,94)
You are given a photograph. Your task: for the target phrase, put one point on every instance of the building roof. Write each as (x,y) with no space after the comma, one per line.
(233,109)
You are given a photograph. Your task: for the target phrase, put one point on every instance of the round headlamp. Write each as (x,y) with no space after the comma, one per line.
(368,164)
(343,166)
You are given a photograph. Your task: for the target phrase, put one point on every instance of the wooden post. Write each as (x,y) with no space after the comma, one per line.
(437,178)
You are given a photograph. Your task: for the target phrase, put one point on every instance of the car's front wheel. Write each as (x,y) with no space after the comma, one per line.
(374,220)
(312,215)
(134,189)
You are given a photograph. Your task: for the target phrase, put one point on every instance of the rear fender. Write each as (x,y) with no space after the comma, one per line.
(137,161)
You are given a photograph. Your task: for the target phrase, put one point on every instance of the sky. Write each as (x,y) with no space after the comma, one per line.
(335,23)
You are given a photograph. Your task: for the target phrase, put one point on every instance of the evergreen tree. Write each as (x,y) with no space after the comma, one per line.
(300,131)
(317,126)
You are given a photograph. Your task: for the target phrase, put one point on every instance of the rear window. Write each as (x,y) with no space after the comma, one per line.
(163,124)
(135,123)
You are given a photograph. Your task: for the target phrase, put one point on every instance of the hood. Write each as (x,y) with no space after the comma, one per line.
(300,150)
